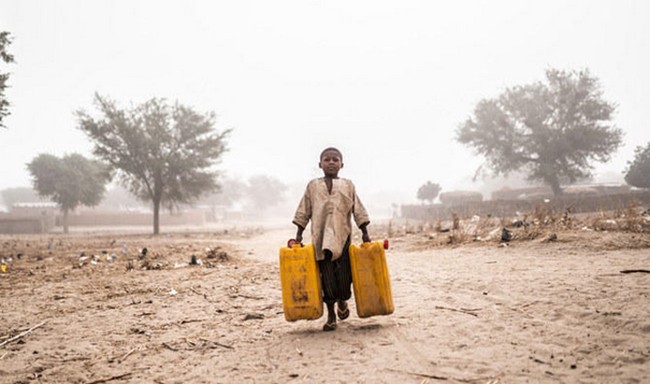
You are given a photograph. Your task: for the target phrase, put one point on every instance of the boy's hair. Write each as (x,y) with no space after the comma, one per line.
(330,149)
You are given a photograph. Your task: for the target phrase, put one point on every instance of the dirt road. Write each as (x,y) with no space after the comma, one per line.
(532,311)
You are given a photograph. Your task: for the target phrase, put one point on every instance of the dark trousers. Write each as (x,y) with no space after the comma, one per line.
(336,276)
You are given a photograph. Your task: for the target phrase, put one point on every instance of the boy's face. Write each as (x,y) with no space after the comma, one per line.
(331,163)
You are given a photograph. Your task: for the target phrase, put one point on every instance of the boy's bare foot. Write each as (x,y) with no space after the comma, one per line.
(343,310)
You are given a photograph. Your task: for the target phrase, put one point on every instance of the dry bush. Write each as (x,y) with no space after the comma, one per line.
(543,222)
(631,218)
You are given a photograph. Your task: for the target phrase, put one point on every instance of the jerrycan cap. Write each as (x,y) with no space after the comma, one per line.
(291,243)
(385,243)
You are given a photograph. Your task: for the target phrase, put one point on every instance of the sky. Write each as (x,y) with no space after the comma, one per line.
(388,82)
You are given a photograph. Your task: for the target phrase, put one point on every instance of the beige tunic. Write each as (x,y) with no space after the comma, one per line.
(330,214)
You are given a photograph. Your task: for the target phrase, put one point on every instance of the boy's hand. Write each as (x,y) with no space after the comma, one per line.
(299,234)
(364,233)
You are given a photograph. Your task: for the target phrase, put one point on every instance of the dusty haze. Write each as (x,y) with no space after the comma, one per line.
(387,82)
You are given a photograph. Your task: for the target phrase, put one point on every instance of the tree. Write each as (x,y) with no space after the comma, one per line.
(119,198)
(69,181)
(265,191)
(163,153)
(230,191)
(637,173)
(550,130)
(5,40)
(429,191)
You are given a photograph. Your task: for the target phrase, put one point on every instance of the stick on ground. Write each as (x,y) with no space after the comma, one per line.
(18,336)
(425,375)
(457,310)
(105,380)
(218,344)
(635,270)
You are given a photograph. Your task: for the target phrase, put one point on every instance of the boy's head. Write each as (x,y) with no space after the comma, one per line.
(331,161)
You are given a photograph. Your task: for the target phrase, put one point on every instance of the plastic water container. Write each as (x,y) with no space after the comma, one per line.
(302,298)
(372,291)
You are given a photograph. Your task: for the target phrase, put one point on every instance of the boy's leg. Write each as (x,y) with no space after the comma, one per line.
(343,276)
(330,325)
(328,284)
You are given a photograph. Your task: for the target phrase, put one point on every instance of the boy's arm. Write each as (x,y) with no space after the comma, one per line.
(364,232)
(303,214)
(299,233)
(360,216)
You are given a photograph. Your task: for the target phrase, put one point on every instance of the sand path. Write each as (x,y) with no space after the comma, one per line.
(529,312)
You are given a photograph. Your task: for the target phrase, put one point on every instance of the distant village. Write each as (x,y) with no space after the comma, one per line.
(45,217)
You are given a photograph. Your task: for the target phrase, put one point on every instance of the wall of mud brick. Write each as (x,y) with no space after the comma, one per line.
(25,225)
(107,219)
(511,208)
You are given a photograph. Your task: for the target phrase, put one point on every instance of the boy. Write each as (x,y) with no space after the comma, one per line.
(329,202)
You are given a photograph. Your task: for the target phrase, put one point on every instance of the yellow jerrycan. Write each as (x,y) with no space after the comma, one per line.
(302,298)
(370,279)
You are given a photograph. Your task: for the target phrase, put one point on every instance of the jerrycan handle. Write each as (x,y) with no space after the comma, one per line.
(384,244)
(292,242)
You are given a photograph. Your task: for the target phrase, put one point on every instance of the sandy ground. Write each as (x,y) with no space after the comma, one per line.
(479,312)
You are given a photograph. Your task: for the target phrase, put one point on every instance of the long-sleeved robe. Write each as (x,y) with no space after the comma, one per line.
(330,214)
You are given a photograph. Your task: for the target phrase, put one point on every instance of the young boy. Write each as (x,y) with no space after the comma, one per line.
(330,202)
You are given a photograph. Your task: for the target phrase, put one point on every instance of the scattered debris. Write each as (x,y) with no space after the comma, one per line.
(537,360)
(614,313)
(522,223)
(551,237)
(216,253)
(254,316)
(150,265)
(506,235)
(195,261)
(169,347)
(136,349)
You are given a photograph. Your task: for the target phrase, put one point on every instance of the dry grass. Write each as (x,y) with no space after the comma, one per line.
(543,224)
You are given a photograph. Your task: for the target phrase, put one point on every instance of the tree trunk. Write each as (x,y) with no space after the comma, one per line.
(65,221)
(555,186)
(156,216)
